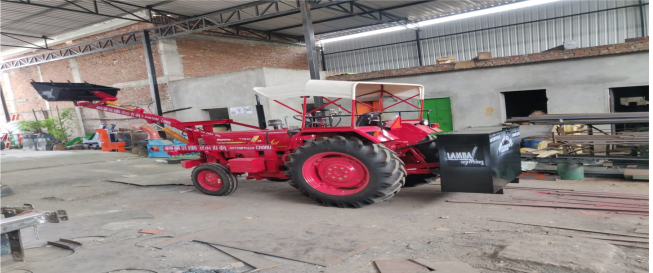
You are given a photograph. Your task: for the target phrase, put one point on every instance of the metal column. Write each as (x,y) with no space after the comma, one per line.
(151,73)
(309,39)
(641,18)
(4,105)
(419,47)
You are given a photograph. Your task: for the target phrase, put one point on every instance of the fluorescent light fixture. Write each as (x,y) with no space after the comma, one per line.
(460,16)
(363,34)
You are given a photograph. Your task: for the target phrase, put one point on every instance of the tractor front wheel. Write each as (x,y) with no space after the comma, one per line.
(342,172)
(214,179)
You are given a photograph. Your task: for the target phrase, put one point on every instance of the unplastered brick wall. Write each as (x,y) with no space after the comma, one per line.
(204,55)
(630,46)
(111,67)
(125,68)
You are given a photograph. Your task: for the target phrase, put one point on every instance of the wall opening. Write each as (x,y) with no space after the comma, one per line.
(216,114)
(525,103)
(630,99)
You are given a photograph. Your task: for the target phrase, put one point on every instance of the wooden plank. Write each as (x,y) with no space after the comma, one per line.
(255,260)
(399,266)
(573,228)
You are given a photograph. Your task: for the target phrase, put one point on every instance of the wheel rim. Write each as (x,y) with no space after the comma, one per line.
(209,180)
(335,173)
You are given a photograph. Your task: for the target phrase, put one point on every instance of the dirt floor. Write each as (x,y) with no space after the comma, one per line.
(417,223)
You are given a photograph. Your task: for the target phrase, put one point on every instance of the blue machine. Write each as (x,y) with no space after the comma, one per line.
(155,147)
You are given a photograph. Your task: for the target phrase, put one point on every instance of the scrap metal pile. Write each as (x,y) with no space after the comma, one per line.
(619,203)
(586,135)
(621,139)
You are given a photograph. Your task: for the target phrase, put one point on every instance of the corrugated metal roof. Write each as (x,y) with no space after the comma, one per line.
(34,20)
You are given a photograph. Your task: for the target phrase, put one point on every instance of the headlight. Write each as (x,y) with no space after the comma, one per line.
(424,122)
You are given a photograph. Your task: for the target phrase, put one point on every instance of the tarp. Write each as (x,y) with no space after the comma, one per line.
(339,89)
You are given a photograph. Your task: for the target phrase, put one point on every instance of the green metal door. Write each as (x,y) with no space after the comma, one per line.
(441,112)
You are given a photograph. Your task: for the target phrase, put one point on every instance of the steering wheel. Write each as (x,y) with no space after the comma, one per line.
(310,120)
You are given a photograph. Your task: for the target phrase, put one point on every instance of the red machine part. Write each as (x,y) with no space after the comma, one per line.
(151,133)
(209,180)
(247,165)
(335,173)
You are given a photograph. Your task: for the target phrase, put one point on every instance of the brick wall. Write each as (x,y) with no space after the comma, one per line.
(125,68)
(206,55)
(630,46)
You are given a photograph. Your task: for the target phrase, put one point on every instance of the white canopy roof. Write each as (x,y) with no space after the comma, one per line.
(339,89)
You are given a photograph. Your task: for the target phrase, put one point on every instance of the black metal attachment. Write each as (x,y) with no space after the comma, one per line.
(481,160)
(151,72)
(61,91)
(260,113)
(4,105)
(309,39)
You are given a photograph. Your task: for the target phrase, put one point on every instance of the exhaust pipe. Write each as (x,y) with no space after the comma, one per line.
(260,114)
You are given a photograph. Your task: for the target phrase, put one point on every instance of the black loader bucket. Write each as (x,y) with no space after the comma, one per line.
(64,91)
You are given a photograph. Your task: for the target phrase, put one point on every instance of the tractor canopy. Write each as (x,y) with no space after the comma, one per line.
(340,89)
(367,100)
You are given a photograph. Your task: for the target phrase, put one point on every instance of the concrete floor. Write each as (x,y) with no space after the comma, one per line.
(422,224)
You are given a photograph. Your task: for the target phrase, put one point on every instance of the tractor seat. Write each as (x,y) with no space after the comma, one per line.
(369,119)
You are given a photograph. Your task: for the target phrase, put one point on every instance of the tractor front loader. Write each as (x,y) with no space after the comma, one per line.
(362,163)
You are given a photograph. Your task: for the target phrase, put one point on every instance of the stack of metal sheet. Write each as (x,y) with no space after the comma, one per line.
(594,119)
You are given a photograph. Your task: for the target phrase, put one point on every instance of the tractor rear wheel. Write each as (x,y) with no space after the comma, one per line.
(431,154)
(214,179)
(336,171)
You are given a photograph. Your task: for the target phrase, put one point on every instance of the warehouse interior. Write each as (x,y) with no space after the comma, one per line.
(196,136)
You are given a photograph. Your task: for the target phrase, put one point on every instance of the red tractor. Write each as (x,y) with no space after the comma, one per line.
(363,163)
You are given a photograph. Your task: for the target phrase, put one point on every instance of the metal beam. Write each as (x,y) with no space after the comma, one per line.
(4,105)
(366,12)
(11,36)
(225,18)
(151,72)
(358,14)
(641,18)
(28,36)
(83,10)
(309,38)
(419,47)
(74,51)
